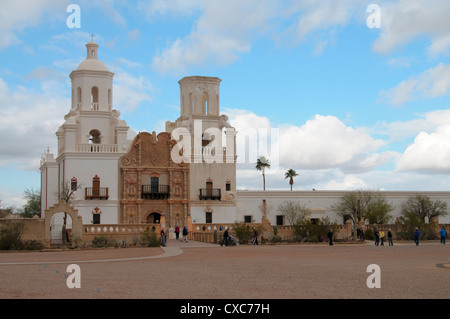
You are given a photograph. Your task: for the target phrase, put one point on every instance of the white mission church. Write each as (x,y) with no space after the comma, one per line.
(117,180)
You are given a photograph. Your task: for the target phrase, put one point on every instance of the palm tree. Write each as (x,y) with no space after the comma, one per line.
(261,164)
(290,173)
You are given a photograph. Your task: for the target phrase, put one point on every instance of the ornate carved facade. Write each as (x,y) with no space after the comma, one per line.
(151,184)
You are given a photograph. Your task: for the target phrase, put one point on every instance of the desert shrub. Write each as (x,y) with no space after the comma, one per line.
(276,239)
(243,232)
(32,245)
(368,234)
(408,224)
(99,242)
(10,235)
(306,229)
(313,239)
(150,239)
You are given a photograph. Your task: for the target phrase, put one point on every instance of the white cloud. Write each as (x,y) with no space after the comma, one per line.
(129,90)
(321,143)
(428,122)
(406,20)
(15,16)
(430,152)
(326,142)
(28,122)
(226,29)
(431,83)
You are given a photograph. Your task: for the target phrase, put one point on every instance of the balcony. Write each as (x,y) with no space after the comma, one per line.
(209,193)
(96,193)
(155,192)
(97,148)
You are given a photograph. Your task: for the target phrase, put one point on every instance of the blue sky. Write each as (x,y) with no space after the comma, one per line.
(355,107)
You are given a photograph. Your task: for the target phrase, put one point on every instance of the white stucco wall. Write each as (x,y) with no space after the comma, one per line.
(249,203)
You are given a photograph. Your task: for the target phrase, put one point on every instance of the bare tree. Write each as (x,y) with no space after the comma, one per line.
(362,204)
(423,207)
(66,194)
(293,211)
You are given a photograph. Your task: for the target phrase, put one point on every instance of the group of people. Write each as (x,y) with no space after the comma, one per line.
(177,234)
(185,233)
(380,237)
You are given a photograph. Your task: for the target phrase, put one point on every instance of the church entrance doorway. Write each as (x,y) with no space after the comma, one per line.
(154,218)
(60,229)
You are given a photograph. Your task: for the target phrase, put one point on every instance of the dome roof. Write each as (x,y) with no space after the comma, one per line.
(92,62)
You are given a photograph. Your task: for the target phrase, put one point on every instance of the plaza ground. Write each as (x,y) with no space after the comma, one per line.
(204,271)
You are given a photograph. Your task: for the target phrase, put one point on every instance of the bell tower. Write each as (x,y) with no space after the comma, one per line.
(90,142)
(212,150)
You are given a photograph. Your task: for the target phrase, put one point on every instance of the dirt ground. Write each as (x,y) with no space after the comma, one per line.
(204,271)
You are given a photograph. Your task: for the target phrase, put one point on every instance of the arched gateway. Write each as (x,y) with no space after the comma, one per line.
(63,207)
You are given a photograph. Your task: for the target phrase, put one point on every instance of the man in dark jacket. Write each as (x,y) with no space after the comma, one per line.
(330,237)
(225,238)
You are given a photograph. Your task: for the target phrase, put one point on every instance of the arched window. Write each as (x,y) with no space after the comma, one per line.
(191,103)
(79,97)
(94,98)
(205,103)
(94,137)
(109,99)
(73,184)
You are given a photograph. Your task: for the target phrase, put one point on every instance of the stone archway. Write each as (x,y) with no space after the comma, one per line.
(154,217)
(77,223)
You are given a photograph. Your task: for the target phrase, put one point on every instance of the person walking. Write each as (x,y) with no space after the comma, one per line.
(416,236)
(177,232)
(391,243)
(330,237)
(255,236)
(377,237)
(382,238)
(163,238)
(185,233)
(225,238)
(443,235)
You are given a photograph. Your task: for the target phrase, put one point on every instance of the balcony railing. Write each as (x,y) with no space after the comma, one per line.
(209,193)
(96,193)
(97,148)
(155,192)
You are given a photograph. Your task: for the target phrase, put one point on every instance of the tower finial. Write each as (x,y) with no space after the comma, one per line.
(92,36)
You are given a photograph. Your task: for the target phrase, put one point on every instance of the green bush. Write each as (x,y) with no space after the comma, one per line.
(306,229)
(408,224)
(32,245)
(10,235)
(99,242)
(276,239)
(150,239)
(243,232)
(313,239)
(368,234)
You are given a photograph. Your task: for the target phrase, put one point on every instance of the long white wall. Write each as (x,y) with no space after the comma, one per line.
(250,203)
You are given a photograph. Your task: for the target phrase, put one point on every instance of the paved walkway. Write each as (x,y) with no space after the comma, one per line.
(205,271)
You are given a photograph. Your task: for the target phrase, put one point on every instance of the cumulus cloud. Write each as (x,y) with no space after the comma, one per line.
(432,83)
(429,153)
(405,20)
(16,16)
(321,143)
(326,142)
(130,91)
(28,122)
(226,29)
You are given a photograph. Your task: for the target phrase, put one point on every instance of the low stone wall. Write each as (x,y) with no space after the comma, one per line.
(212,233)
(34,228)
(127,234)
